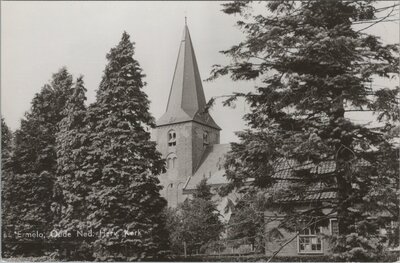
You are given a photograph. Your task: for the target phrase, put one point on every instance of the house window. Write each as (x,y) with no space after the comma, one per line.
(205,138)
(309,241)
(334,226)
(171,138)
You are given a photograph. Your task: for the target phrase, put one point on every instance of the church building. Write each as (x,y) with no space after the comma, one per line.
(187,136)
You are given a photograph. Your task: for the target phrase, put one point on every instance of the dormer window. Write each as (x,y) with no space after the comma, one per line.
(171,138)
(205,138)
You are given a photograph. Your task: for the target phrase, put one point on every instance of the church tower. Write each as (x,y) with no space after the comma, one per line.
(185,130)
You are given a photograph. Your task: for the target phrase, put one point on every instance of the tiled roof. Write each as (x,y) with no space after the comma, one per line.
(309,197)
(283,193)
(285,167)
(285,170)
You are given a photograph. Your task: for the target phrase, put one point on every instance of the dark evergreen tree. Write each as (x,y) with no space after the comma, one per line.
(6,179)
(6,140)
(71,187)
(35,140)
(203,191)
(123,164)
(33,165)
(195,222)
(314,67)
(6,148)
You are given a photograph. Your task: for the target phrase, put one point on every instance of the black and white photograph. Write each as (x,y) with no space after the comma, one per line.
(200,131)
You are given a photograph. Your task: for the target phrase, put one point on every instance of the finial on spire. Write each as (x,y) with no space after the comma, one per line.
(185,17)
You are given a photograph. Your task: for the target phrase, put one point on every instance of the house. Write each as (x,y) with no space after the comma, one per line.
(308,239)
(312,237)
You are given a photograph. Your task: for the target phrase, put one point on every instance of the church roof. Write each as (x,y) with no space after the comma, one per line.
(186,100)
(211,167)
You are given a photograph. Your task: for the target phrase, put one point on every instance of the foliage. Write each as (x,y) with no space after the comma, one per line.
(30,212)
(6,140)
(71,187)
(35,140)
(77,169)
(203,191)
(33,167)
(314,68)
(6,152)
(264,258)
(195,222)
(174,227)
(122,165)
(246,223)
(6,179)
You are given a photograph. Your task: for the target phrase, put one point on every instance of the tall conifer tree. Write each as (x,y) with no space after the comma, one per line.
(35,140)
(123,164)
(6,140)
(71,187)
(33,164)
(6,179)
(316,65)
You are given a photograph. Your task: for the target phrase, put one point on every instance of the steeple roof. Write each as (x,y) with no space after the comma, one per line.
(186,100)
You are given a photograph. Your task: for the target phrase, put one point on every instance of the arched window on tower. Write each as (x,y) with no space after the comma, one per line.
(171,138)
(205,139)
(171,161)
(174,162)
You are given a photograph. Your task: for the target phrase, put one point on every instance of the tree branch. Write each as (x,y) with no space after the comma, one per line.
(380,20)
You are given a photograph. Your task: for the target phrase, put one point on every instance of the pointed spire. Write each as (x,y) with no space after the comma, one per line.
(186,100)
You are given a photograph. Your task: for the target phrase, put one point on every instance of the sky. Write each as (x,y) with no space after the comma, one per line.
(38,38)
